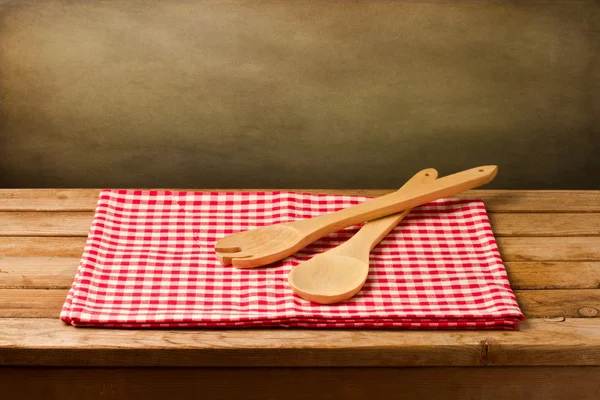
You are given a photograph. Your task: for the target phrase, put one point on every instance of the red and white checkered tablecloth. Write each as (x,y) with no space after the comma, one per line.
(149,262)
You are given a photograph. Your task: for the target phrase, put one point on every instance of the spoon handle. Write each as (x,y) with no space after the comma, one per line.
(374,231)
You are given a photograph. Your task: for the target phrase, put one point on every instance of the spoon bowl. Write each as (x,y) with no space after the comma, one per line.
(329,278)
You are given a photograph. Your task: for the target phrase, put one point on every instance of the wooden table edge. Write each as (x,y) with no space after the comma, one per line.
(540,342)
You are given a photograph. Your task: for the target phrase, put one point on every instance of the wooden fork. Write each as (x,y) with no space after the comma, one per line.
(265,245)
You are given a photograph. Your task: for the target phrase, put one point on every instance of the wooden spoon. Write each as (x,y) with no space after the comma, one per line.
(261,246)
(340,273)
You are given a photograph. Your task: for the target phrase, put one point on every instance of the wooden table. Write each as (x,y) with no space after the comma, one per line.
(550,241)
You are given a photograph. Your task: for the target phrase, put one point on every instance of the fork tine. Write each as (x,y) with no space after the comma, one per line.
(235,249)
(246,261)
(226,258)
(228,244)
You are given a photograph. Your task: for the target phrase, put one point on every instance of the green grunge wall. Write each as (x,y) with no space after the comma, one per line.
(307,94)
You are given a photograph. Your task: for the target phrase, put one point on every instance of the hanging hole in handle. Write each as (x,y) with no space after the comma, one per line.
(427,174)
(482,170)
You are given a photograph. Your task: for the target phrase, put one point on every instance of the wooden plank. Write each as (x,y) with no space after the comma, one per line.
(549,248)
(58,272)
(545,224)
(67,223)
(48,199)
(42,246)
(37,272)
(534,383)
(553,275)
(495,200)
(563,303)
(49,342)
(31,303)
(37,303)
(554,201)
(46,223)
(512,248)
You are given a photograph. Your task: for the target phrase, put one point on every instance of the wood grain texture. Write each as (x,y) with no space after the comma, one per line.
(37,272)
(556,201)
(31,303)
(545,224)
(48,199)
(511,248)
(42,246)
(47,223)
(49,342)
(553,275)
(69,223)
(563,303)
(548,248)
(31,334)
(494,383)
(38,303)
(58,273)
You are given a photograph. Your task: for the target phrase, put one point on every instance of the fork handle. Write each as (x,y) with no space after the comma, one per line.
(399,201)
(360,245)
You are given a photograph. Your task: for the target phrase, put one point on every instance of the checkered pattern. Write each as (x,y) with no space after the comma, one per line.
(149,262)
